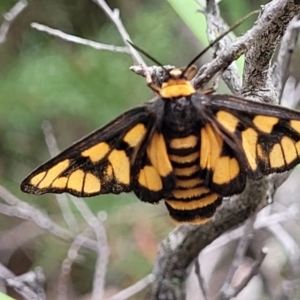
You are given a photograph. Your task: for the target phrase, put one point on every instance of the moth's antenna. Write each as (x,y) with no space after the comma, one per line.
(219,38)
(146,54)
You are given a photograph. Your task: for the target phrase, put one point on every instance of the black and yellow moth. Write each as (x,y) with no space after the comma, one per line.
(187,147)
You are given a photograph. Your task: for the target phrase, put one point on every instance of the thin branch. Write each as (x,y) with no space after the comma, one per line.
(78,40)
(25,211)
(66,266)
(286,50)
(114,15)
(9,17)
(101,238)
(29,285)
(200,279)
(215,25)
(157,73)
(62,199)
(133,289)
(254,270)
(227,290)
(292,253)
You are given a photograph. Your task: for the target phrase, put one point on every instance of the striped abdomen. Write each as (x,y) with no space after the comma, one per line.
(191,201)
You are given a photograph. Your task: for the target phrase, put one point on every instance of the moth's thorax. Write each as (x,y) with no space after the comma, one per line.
(180,115)
(176,87)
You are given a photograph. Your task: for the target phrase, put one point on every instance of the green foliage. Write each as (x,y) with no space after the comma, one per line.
(5,297)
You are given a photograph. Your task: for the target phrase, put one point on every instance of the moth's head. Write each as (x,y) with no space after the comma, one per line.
(181,73)
(177,83)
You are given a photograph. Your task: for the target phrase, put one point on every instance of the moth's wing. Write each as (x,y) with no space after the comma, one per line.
(105,161)
(247,138)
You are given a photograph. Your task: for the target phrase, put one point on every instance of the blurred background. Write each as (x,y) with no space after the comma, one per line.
(78,89)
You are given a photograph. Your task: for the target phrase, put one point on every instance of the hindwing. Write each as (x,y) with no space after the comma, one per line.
(243,138)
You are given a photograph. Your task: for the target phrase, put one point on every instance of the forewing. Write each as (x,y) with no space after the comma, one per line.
(100,163)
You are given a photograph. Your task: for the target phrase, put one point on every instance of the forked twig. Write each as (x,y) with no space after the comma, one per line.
(9,17)
(78,40)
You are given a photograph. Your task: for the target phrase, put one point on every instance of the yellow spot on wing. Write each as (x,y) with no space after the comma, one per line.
(121,166)
(289,149)
(92,184)
(149,178)
(52,174)
(157,153)
(229,121)
(37,178)
(187,142)
(249,141)
(295,125)
(297,145)
(97,152)
(265,123)
(75,181)
(60,183)
(190,205)
(226,169)
(276,157)
(134,136)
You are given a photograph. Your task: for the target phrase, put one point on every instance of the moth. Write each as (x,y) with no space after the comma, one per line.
(189,148)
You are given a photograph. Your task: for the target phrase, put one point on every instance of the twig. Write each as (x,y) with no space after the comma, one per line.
(157,72)
(114,15)
(215,25)
(261,222)
(227,290)
(66,266)
(9,17)
(285,53)
(292,252)
(29,285)
(62,199)
(254,270)
(133,289)
(23,210)
(78,40)
(102,259)
(200,278)
(291,93)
